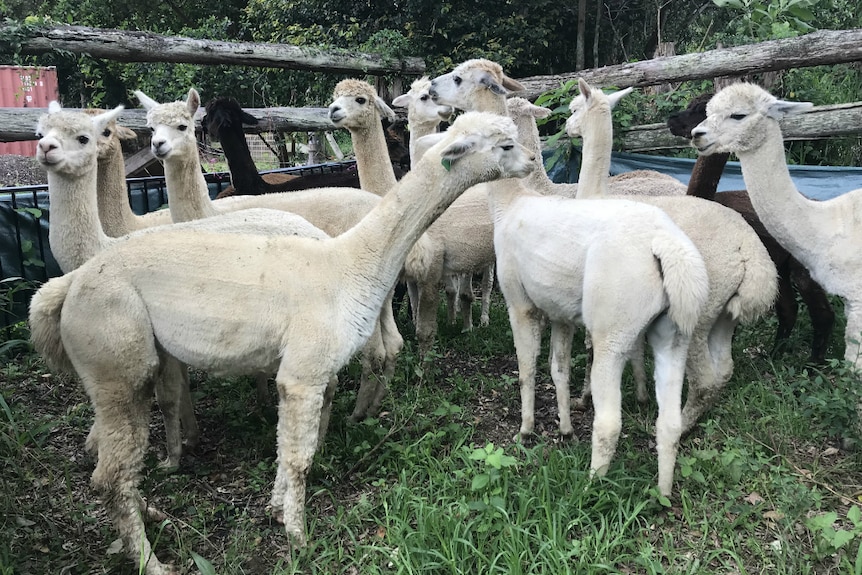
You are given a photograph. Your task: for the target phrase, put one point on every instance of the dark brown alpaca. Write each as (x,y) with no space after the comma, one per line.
(792,275)
(223,122)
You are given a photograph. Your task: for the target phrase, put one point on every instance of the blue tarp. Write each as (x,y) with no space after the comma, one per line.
(814,182)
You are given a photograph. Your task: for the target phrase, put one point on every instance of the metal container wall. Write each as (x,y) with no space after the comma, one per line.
(26,87)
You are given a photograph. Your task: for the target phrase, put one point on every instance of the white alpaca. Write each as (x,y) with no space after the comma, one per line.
(742,276)
(115,213)
(298,305)
(357,107)
(333,210)
(423,118)
(575,261)
(69,145)
(824,235)
(637,182)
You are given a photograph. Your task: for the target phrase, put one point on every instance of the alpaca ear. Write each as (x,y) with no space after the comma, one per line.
(462,146)
(384,109)
(248,119)
(512,85)
(615,97)
(147,102)
(583,88)
(539,111)
(782,108)
(401,101)
(103,119)
(488,81)
(54,107)
(124,133)
(193,101)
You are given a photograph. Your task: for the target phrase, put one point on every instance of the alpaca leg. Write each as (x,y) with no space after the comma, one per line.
(853,333)
(413,296)
(169,392)
(526,329)
(786,311)
(261,389)
(636,360)
(581,401)
(373,357)
(607,372)
(191,431)
(122,413)
(465,295)
(669,352)
(392,345)
(452,285)
(487,288)
(426,326)
(301,401)
(326,410)
(561,361)
(819,310)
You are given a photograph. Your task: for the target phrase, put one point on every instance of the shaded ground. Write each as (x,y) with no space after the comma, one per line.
(20,171)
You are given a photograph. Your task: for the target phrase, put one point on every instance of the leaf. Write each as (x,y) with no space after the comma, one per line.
(841,538)
(480,481)
(854,515)
(204,566)
(773,515)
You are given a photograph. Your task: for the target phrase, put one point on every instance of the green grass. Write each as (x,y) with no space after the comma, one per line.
(436,484)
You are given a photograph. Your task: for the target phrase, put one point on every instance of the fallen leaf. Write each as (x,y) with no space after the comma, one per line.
(773,515)
(830,451)
(115,547)
(754,498)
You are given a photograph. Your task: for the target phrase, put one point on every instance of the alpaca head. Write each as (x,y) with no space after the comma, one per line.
(469,82)
(172,125)
(739,118)
(68,141)
(482,145)
(110,139)
(421,108)
(356,106)
(223,116)
(681,123)
(524,113)
(591,105)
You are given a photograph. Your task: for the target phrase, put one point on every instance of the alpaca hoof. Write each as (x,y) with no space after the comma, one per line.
(296,536)
(169,465)
(580,404)
(485,322)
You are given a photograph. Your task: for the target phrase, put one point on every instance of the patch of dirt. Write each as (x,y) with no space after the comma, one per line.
(20,171)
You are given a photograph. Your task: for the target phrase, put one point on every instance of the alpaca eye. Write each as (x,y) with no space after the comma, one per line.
(107,133)
(508,147)
(182,127)
(83,140)
(457,80)
(738,116)
(424,97)
(152,130)
(361,101)
(39,135)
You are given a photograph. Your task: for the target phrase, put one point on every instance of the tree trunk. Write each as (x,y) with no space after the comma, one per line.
(131,46)
(821,47)
(580,61)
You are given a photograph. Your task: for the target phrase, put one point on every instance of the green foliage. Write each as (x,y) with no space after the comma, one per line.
(831,537)
(765,20)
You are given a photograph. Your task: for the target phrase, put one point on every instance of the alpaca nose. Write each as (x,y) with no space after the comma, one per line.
(46,146)
(697,132)
(157,146)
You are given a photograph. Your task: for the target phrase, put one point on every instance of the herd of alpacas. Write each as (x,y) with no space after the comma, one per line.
(315,270)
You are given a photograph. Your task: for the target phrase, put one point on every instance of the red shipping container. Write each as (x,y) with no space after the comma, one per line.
(26,87)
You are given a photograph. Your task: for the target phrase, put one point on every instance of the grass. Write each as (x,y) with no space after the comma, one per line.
(436,485)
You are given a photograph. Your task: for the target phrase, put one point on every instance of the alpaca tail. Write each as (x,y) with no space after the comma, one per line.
(756,292)
(419,257)
(45,308)
(684,277)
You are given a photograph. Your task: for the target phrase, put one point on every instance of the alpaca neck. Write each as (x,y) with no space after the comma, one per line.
(503,193)
(243,171)
(75,233)
(804,227)
(529,137)
(188,195)
(372,160)
(379,243)
(115,213)
(705,175)
(597,135)
(488,101)
(419,129)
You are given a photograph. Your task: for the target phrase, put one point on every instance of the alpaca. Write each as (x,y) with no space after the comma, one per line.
(742,277)
(333,210)
(822,235)
(649,182)
(357,107)
(424,117)
(224,121)
(793,277)
(574,261)
(115,213)
(220,304)
(68,148)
